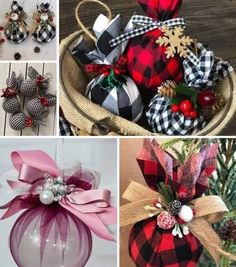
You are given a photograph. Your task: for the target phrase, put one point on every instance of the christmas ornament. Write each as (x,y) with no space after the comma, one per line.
(165,220)
(45,30)
(147,61)
(111,88)
(61,211)
(169,180)
(175,42)
(186,213)
(38,107)
(16,30)
(206,98)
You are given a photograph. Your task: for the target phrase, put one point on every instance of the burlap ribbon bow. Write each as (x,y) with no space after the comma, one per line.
(209,209)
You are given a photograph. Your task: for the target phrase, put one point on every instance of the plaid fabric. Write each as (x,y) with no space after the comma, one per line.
(157,165)
(206,70)
(64,127)
(163,120)
(123,100)
(16,31)
(150,246)
(46,30)
(146,61)
(148,24)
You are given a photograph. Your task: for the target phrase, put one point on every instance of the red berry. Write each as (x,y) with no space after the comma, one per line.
(187,114)
(44,101)
(175,108)
(186,106)
(193,114)
(106,73)
(206,98)
(117,71)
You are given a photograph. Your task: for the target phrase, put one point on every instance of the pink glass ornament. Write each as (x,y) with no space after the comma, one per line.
(50,236)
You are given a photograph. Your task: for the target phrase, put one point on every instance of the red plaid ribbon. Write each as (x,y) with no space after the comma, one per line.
(119,67)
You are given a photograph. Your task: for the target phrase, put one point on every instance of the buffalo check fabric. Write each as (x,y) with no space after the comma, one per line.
(17,31)
(147,63)
(162,120)
(206,70)
(116,93)
(151,246)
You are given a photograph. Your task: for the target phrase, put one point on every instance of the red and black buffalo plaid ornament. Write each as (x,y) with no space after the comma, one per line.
(150,245)
(146,61)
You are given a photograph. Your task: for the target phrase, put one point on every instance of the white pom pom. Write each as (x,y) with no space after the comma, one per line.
(186,213)
(46,197)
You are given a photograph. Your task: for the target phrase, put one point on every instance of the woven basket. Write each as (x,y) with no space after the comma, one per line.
(95,120)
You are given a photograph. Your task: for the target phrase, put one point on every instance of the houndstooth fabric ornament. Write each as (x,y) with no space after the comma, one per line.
(33,74)
(52,100)
(17,121)
(14,81)
(28,88)
(110,89)
(11,105)
(206,70)
(16,30)
(45,31)
(162,120)
(35,107)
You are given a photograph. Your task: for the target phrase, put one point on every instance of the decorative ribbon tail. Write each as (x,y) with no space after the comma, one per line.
(201,229)
(17,204)
(95,218)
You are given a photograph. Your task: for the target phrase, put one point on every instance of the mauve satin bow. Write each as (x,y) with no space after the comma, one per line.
(91,206)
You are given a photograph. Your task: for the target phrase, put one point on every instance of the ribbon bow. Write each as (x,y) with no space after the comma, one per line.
(118,67)
(147,24)
(91,206)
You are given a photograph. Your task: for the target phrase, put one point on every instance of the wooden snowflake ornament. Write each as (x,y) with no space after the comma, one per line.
(175,42)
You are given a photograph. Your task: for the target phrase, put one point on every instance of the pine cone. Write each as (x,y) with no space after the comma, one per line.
(167,88)
(17,121)
(220,103)
(228,231)
(11,105)
(35,107)
(175,207)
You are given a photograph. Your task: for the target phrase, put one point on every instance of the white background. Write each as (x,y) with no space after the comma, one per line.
(96,154)
(26,48)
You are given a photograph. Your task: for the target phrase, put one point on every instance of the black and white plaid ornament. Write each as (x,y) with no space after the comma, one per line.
(111,88)
(46,29)
(34,107)
(162,120)
(17,121)
(11,105)
(205,70)
(16,30)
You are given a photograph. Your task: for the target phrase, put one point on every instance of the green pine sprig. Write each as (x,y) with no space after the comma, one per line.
(166,192)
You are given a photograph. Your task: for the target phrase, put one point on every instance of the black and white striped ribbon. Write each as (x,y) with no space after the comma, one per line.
(147,24)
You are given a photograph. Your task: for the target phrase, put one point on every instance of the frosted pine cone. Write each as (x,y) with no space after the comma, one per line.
(28,88)
(35,107)
(17,121)
(175,207)
(11,105)
(165,220)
